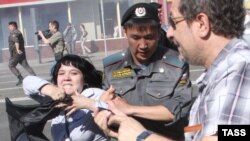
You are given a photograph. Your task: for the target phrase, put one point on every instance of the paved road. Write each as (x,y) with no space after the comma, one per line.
(15,93)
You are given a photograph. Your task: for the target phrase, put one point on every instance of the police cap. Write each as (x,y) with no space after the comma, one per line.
(140,11)
(155,5)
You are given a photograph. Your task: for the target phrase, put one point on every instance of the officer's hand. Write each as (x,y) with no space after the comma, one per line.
(19,52)
(108,95)
(122,105)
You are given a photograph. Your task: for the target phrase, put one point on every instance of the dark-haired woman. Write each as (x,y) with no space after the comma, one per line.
(74,76)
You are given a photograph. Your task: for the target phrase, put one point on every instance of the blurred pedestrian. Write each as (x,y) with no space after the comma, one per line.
(116,33)
(70,36)
(83,39)
(17,52)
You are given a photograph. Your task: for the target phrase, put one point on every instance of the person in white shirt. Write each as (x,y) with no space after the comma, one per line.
(74,76)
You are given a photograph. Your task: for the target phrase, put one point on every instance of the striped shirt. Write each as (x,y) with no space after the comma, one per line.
(224,91)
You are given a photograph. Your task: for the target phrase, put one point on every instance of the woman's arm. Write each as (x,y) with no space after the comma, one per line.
(35,85)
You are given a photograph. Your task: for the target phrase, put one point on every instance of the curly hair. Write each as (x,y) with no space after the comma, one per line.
(226,16)
(92,77)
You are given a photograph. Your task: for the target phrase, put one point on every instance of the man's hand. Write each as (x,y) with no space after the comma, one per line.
(19,52)
(40,33)
(129,128)
(101,119)
(17,48)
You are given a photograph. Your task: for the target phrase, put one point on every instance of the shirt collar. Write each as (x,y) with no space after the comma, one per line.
(204,78)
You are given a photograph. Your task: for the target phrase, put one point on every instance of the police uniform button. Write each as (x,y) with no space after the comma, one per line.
(161,70)
(159,94)
(120,90)
(126,62)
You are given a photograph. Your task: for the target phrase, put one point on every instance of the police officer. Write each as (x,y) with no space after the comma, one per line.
(56,41)
(17,52)
(151,83)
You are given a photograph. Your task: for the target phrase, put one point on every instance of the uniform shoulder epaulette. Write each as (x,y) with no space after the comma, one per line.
(16,32)
(173,60)
(112,59)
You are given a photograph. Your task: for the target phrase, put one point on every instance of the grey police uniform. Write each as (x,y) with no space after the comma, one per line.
(15,58)
(16,37)
(162,82)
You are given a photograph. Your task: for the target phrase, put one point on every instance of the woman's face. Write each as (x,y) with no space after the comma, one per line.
(70,79)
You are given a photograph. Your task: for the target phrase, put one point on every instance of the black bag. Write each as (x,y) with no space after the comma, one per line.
(26,122)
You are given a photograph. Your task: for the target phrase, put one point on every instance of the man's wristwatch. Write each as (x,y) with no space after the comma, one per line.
(143,135)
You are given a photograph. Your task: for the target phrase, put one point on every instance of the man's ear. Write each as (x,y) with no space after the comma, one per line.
(203,24)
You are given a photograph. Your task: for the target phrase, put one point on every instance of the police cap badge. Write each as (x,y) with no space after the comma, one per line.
(140,11)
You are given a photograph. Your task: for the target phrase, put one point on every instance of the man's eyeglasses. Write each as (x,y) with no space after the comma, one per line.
(172,21)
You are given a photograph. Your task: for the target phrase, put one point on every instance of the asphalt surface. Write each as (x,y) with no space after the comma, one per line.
(15,93)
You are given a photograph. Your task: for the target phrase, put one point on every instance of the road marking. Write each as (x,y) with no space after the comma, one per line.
(46,78)
(197,70)
(7,82)
(16,99)
(12,88)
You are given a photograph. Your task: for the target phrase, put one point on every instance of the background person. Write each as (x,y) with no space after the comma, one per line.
(210,35)
(72,76)
(116,33)
(70,36)
(151,83)
(56,41)
(17,52)
(83,39)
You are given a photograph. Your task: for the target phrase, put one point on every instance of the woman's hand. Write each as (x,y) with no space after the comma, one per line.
(80,102)
(53,91)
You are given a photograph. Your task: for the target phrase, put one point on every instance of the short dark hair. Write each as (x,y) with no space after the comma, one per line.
(227,16)
(92,77)
(13,23)
(55,23)
(142,25)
